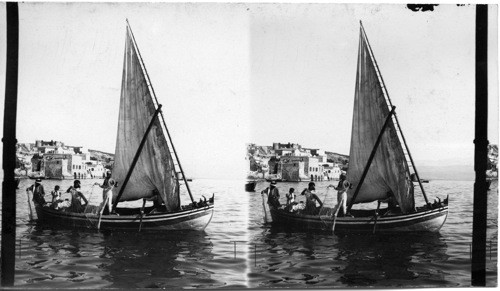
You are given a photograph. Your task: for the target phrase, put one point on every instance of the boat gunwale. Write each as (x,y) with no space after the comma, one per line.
(403,223)
(348,219)
(129,222)
(111,217)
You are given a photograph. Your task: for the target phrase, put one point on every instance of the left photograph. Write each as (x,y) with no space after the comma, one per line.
(125,161)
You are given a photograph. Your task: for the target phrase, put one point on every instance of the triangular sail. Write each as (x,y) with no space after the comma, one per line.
(154,171)
(389,173)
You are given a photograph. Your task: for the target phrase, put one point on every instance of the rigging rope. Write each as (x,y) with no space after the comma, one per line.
(325,223)
(91,221)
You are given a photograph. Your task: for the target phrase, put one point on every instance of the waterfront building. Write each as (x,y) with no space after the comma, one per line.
(52,143)
(56,166)
(274,165)
(79,166)
(293,168)
(53,160)
(331,171)
(315,169)
(292,162)
(96,170)
(57,162)
(37,163)
(277,146)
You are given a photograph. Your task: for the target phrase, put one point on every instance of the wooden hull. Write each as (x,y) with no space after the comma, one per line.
(193,219)
(420,221)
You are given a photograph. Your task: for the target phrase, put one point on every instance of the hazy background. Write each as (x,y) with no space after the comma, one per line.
(230,74)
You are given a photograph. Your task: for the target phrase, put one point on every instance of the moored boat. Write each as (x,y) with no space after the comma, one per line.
(250,186)
(146,166)
(414,179)
(380,168)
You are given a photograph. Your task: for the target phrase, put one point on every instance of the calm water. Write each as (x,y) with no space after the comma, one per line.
(264,257)
(305,260)
(55,258)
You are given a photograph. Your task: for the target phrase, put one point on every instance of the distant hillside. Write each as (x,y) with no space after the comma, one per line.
(106,158)
(337,158)
(448,172)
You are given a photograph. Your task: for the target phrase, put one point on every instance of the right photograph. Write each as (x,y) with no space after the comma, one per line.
(361,158)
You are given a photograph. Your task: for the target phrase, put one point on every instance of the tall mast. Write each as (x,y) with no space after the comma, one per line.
(152,91)
(399,132)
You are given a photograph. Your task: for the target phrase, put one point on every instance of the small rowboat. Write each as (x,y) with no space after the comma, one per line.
(250,186)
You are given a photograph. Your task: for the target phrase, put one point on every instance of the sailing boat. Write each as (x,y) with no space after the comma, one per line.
(380,167)
(146,165)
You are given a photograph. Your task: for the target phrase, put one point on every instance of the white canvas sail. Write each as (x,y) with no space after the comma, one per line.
(154,170)
(389,171)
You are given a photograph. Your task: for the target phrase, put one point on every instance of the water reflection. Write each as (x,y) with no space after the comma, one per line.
(391,260)
(304,260)
(159,260)
(59,258)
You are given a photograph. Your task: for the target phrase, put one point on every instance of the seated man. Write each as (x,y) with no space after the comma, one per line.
(311,199)
(56,198)
(290,200)
(76,198)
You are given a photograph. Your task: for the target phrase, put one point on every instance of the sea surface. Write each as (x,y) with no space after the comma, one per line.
(50,257)
(316,260)
(238,250)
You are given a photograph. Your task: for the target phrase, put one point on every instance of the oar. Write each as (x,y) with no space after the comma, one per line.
(29,204)
(335,214)
(376,216)
(102,211)
(142,214)
(264,201)
(100,216)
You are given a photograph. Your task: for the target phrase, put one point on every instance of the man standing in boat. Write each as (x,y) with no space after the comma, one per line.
(38,192)
(273,196)
(342,188)
(107,192)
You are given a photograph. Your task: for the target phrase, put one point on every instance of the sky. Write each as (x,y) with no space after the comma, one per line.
(303,70)
(230,74)
(70,70)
